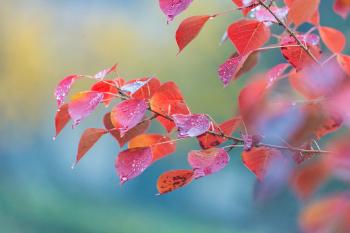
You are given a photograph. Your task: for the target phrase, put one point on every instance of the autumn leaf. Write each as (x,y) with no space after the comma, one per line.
(258,160)
(191,125)
(189,30)
(63,88)
(102,74)
(127,114)
(342,8)
(167,101)
(135,131)
(296,55)
(248,35)
(132,162)
(172,8)
(344,62)
(146,91)
(206,162)
(88,140)
(172,180)
(333,39)
(300,12)
(109,89)
(208,140)
(161,145)
(245,5)
(307,179)
(83,104)
(61,119)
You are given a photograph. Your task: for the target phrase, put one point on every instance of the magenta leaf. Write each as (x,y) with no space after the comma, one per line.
(191,125)
(230,69)
(102,74)
(83,104)
(127,114)
(63,88)
(172,8)
(206,162)
(132,162)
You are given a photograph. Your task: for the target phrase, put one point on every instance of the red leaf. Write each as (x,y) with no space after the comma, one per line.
(248,35)
(189,29)
(330,214)
(333,39)
(109,88)
(172,8)
(146,91)
(128,114)
(208,140)
(167,101)
(102,74)
(83,104)
(61,119)
(131,163)
(63,88)
(258,160)
(191,125)
(171,180)
(342,8)
(295,55)
(300,12)
(331,123)
(306,180)
(236,66)
(161,145)
(344,62)
(88,140)
(137,130)
(206,162)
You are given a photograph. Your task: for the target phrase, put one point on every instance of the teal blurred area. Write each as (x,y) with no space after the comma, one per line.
(42,41)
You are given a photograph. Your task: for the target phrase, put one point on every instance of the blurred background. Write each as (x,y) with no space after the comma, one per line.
(42,41)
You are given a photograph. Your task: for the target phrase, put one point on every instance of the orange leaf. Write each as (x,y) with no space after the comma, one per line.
(344,62)
(308,178)
(168,100)
(189,30)
(248,35)
(258,160)
(333,39)
(172,180)
(61,119)
(147,90)
(137,130)
(300,11)
(87,140)
(160,145)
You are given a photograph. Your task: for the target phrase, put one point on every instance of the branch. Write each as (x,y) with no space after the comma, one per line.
(291,33)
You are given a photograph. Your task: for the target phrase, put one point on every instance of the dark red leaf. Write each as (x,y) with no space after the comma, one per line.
(61,119)
(88,140)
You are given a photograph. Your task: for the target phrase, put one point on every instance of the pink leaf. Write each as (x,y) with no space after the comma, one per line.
(263,15)
(63,88)
(102,74)
(132,162)
(83,104)
(172,8)
(275,72)
(128,114)
(191,125)
(230,69)
(206,162)
(342,8)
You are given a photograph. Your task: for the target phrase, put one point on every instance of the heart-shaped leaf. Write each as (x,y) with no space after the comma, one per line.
(191,125)
(172,180)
